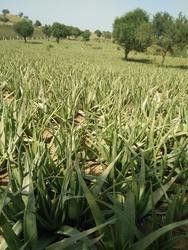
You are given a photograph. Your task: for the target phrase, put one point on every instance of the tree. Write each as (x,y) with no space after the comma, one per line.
(5,12)
(69,30)
(59,31)
(20,14)
(73,31)
(47,30)
(4,18)
(181,35)
(38,23)
(144,36)
(24,28)
(125,30)
(164,30)
(107,34)
(98,33)
(76,32)
(86,35)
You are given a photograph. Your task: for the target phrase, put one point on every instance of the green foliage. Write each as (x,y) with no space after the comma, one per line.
(164,30)
(47,30)
(24,28)
(145,36)
(98,33)
(135,31)
(181,35)
(125,31)
(86,35)
(107,34)
(73,31)
(59,31)
(170,33)
(38,23)
(93,150)
(76,32)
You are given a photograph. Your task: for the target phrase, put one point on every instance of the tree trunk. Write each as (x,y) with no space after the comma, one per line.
(57,40)
(126,54)
(163,57)
(25,39)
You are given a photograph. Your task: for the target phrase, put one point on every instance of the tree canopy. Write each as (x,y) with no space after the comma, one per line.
(38,23)
(4,18)
(125,30)
(73,31)
(98,33)
(135,31)
(86,35)
(59,31)
(47,30)
(76,32)
(20,14)
(5,12)
(24,28)
(170,33)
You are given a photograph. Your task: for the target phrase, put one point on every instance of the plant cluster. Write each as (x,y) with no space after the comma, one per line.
(90,157)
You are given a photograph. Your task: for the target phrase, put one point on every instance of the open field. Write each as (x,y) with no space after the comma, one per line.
(93,149)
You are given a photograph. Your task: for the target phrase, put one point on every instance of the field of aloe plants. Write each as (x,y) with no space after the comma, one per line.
(93,150)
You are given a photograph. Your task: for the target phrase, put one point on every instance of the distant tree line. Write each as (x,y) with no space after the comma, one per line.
(25,29)
(136,31)
(61,31)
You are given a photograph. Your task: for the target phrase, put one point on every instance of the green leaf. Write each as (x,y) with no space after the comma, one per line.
(95,210)
(157,195)
(149,239)
(10,234)
(76,237)
(2,200)
(29,223)
(101,180)
(17,228)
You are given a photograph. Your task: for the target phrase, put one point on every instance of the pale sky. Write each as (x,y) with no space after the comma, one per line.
(92,14)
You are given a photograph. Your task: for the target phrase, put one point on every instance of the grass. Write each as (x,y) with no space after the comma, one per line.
(12,18)
(93,149)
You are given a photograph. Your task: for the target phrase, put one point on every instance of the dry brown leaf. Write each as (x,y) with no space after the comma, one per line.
(47,135)
(8,96)
(183,229)
(181,244)
(95,168)
(53,151)
(79,117)
(4,180)
(88,141)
